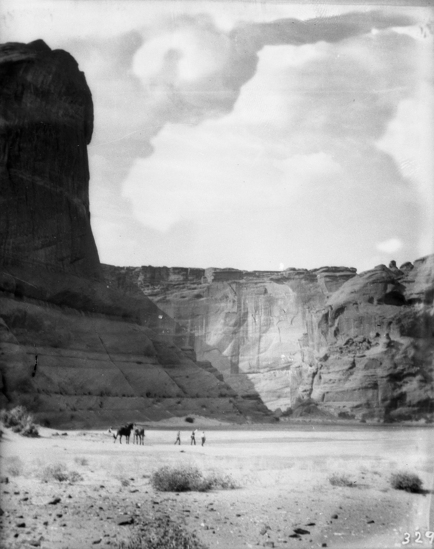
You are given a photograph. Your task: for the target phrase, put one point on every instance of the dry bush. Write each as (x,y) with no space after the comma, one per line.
(223,481)
(408,482)
(20,421)
(81,461)
(124,481)
(14,466)
(162,533)
(60,473)
(340,480)
(184,478)
(74,476)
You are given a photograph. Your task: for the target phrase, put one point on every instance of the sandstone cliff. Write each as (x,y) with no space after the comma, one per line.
(71,349)
(327,340)
(46,124)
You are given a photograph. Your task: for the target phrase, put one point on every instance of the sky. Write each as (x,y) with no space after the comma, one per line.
(255,135)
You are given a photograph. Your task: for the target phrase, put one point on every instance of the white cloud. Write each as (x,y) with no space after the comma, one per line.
(201,52)
(409,139)
(389,246)
(292,169)
(215,167)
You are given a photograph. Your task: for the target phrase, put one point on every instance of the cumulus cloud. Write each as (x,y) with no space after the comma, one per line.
(389,246)
(213,168)
(196,70)
(294,164)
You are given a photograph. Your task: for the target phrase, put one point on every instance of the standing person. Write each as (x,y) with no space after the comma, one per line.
(203,438)
(193,438)
(178,438)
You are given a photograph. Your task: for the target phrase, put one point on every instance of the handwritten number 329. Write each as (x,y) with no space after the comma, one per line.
(418,537)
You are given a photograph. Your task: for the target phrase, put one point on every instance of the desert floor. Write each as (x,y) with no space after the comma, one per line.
(283,472)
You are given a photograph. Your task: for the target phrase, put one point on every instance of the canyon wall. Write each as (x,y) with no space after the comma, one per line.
(326,341)
(88,344)
(47,122)
(74,351)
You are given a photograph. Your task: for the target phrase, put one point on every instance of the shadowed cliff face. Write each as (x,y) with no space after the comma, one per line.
(71,349)
(47,122)
(345,343)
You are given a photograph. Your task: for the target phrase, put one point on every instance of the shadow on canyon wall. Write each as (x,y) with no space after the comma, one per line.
(73,350)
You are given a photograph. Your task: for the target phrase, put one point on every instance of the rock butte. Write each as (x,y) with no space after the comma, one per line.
(145,343)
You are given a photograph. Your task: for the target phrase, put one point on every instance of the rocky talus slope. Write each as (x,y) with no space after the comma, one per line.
(326,342)
(73,350)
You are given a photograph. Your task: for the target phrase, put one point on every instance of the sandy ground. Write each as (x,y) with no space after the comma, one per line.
(285,498)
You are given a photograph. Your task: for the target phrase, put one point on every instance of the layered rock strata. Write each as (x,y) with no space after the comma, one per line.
(76,352)
(354,345)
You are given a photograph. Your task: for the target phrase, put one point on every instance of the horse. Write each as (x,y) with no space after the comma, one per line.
(124,431)
(139,436)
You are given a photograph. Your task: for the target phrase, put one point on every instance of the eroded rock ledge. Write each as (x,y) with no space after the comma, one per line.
(347,344)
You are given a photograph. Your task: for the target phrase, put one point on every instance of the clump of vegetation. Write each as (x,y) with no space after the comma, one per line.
(340,480)
(14,466)
(60,473)
(20,421)
(184,478)
(81,461)
(178,479)
(408,482)
(189,419)
(222,481)
(124,481)
(163,533)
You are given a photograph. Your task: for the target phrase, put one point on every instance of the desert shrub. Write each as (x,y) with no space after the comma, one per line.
(217,480)
(60,473)
(81,461)
(20,421)
(178,479)
(14,466)
(55,471)
(340,480)
(345,415)
(184,478)
(30,430)
(74,476)
(162,533)
(189,419)
(406,481)
(124,481)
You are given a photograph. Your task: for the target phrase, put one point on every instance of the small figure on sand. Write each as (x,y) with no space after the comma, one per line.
(178,438)
(203,438)
(193,437)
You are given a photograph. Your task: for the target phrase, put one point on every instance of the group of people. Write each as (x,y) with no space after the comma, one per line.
(192,438)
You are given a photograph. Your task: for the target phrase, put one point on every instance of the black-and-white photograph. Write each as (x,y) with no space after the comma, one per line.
(216,274)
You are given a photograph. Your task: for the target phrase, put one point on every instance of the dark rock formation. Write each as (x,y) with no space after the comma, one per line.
(46,124)
(348,344)
(71,349)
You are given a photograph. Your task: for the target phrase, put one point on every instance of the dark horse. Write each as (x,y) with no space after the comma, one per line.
(139,436)
(124,431)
